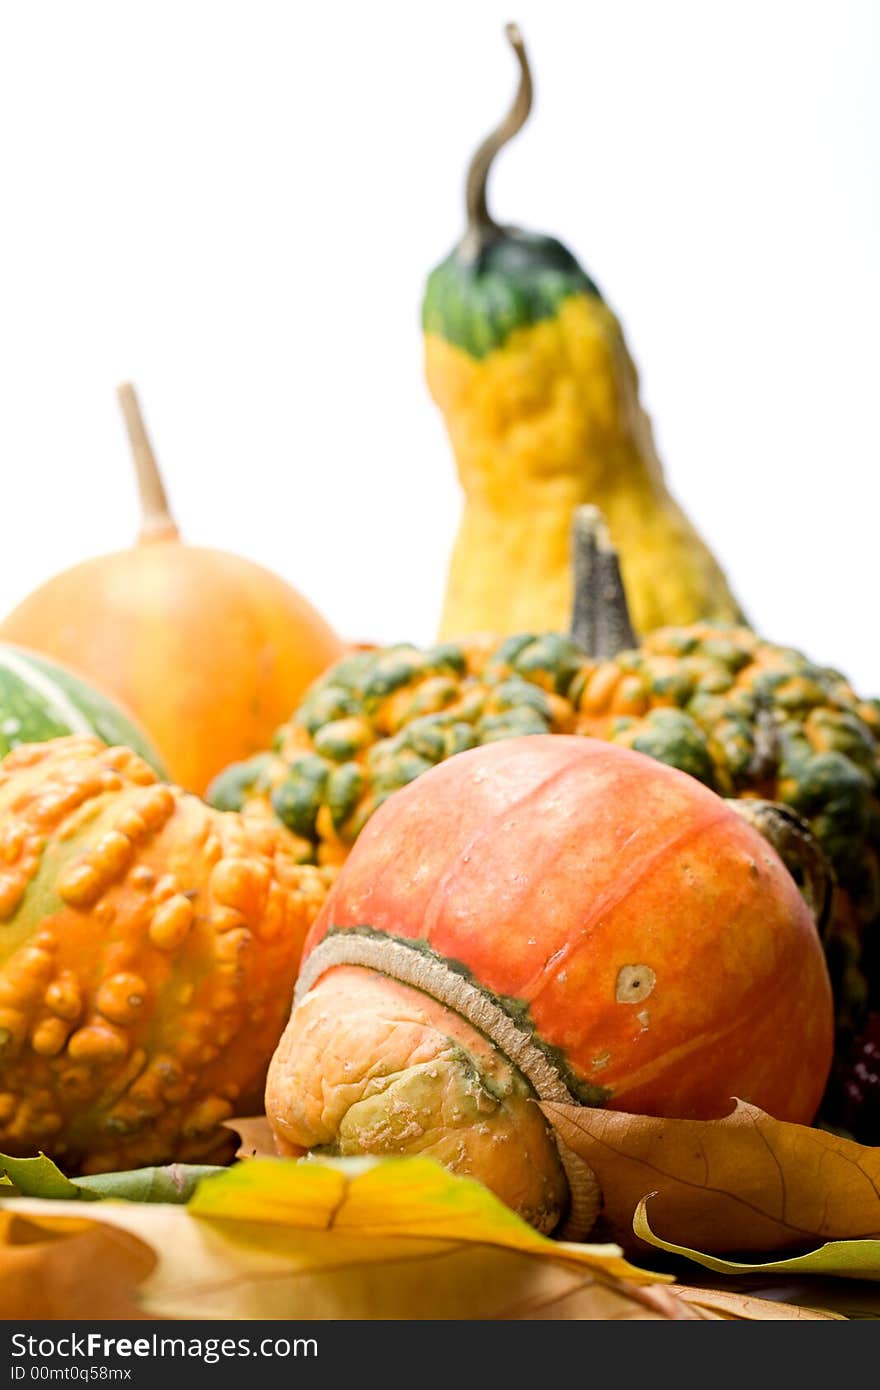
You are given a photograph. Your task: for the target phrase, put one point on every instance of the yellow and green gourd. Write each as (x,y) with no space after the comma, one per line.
(540,396)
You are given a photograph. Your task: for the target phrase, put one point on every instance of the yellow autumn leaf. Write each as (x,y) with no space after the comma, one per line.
(395,1239)
(398,1197)
(744,1182)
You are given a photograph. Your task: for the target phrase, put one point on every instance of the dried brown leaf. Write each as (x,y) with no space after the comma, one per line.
(849,1298)
(581,1298)
(255,1136)
(59,1267)
(745,1307)
(746,1182)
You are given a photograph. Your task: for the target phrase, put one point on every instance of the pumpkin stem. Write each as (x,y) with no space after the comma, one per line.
(481,226)
(600,621)
(157,523)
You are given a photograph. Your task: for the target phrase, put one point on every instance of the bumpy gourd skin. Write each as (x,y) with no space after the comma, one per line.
(148,949)
(370,1065)
(747,718)
(540,397)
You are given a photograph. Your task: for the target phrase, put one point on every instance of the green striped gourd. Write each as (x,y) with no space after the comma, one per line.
(40,700)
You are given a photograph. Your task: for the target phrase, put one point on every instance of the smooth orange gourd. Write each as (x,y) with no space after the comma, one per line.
(210,651)
(549,917)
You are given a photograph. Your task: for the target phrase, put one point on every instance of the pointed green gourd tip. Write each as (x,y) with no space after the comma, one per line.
(514,281)
(498,278)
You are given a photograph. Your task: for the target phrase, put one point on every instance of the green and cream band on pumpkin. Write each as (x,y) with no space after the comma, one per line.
(372,1065)
(506,1026)
(505,1021)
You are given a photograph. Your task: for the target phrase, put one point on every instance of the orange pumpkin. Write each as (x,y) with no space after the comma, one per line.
(551,917)
(210,651)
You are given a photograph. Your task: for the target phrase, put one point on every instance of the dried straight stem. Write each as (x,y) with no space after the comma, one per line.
(600,618)
(157,523)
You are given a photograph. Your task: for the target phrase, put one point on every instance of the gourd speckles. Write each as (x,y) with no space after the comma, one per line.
(148,947)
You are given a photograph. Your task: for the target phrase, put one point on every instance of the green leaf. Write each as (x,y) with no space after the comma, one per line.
(40,1177)
(845,1259)
(174,1183)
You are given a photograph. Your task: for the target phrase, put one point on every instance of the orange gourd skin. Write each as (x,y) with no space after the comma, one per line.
(657,942)
(207,649)
(148,950)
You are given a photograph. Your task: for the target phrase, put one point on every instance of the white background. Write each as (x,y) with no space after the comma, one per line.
(235,204)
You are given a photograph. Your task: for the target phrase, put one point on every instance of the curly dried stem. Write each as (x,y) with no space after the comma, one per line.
(157,523)
(481,226)
(600,620)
